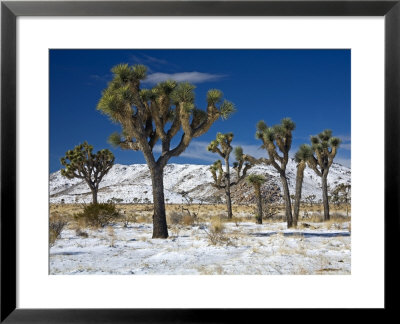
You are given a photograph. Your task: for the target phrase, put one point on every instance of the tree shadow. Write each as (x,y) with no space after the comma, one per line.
(302,234)
(68,253)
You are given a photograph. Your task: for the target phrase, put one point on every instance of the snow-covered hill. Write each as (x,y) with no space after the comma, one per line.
(132,183)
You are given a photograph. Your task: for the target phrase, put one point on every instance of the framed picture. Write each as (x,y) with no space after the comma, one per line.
(26,147)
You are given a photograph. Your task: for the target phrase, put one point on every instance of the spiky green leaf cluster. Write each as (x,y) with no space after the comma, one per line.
(325,135)
(214,96)
(216,165)
(148,94)
(335,141)
(139,71)
(183,92)
(324,141)
(82,158)
(115,139)
(226,109)
(288,124)
(212,146)
(165,87)
(238,153)
(304,153)
(256,179)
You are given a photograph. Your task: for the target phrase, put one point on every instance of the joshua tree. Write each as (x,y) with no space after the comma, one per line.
(302,156)
(222,180)
(324,147)
(257,180)
(342,194)
(82,163)
(144,115)
(274,138)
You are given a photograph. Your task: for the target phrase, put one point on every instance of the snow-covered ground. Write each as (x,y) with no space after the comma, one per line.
(243,248)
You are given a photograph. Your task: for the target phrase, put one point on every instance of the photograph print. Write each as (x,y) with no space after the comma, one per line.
(200,162)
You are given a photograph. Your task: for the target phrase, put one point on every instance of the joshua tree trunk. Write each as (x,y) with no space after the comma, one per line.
(94,195)
(297,197)
(325,195)
(228,189)
(259,205)
(94,191)
(228,201)
(288,205)
(159,218)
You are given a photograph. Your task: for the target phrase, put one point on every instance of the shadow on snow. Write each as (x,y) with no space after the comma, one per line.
(300,234)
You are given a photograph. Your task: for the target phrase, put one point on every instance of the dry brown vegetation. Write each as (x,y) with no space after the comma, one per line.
(184,214)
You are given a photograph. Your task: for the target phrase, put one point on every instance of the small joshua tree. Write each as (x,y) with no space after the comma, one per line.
(82,163)
(342,195)
(302,156)
(222,179)
(257,180)
(158,114)
(278,137)
(324,147)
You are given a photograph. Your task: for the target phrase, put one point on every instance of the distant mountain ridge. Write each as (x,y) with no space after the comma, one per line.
(132,183)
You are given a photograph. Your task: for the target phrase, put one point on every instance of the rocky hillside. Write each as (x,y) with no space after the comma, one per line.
(132,184)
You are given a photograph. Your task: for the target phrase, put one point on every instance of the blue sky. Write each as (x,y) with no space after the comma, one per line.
(310,86)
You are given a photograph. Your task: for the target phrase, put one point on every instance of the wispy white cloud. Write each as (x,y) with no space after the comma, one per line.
(345,146)
(101,78)
(193,77)
(344,138)
(197,150)
(343,161)
(147,59)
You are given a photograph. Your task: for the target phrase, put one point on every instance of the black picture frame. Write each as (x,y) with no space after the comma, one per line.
(10,10)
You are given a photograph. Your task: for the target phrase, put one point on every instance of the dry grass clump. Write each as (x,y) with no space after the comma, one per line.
(128,219)
(216,224)
(111,236)
(188,220)
(216,232)
(56,224)
(143,218)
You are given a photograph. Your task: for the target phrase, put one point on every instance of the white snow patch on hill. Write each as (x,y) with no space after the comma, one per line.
(132,183)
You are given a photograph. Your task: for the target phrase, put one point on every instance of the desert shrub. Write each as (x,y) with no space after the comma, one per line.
(175,217)
(56,225)
(98,215)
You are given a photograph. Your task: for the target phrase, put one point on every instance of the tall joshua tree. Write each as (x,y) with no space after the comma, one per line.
(302,156)
(257,180)
(222,179)
(82,163)
(144,115)
(278,137)
(324,147)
